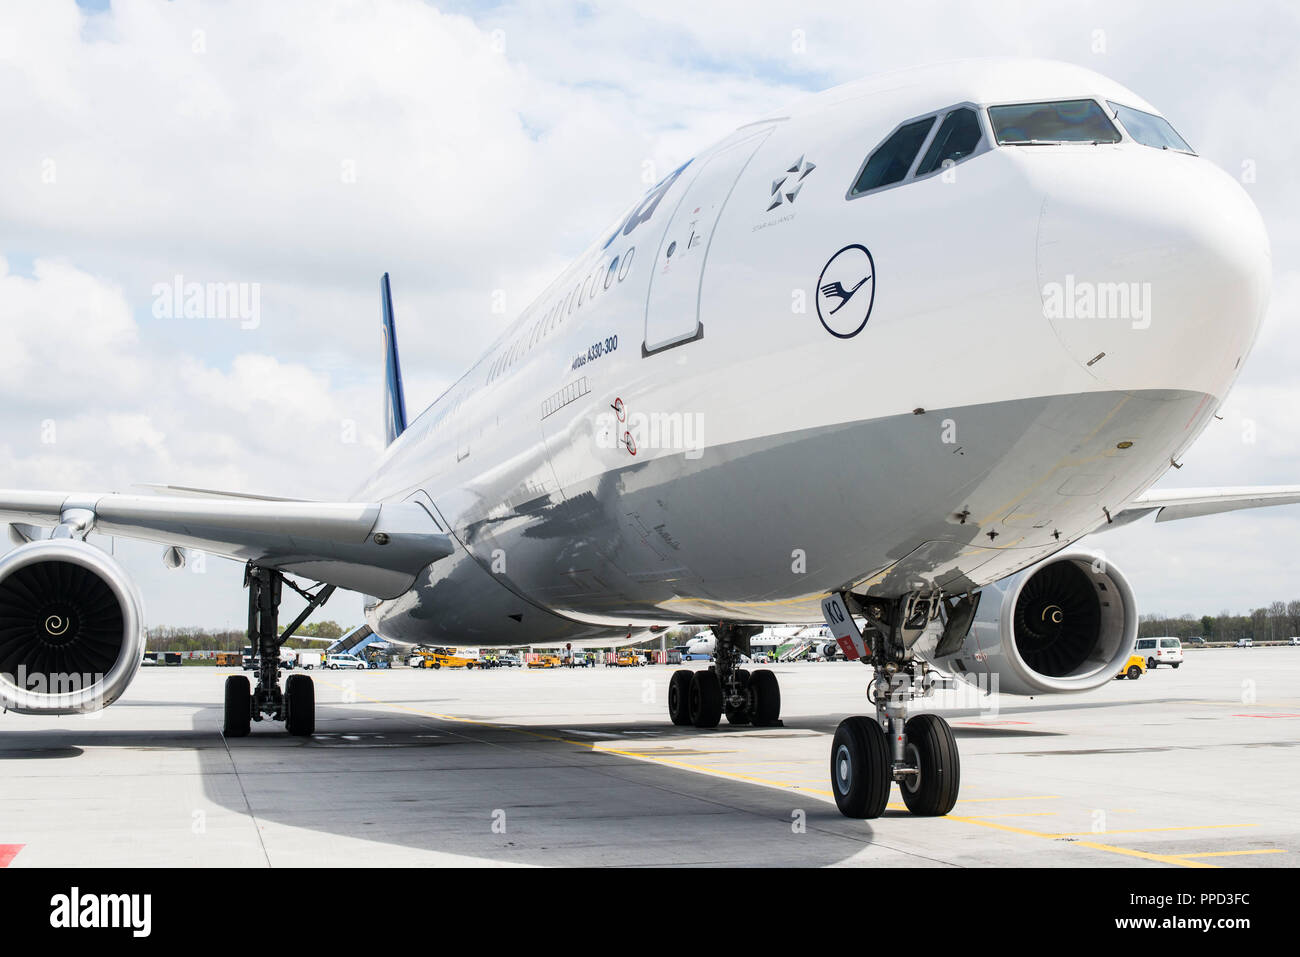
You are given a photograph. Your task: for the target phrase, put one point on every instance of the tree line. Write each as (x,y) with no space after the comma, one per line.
(204,639)
(1276,622)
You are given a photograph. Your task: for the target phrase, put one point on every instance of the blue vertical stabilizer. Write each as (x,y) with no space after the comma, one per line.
(394,393)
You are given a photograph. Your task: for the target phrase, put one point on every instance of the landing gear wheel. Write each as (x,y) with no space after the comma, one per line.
(300,706)
(679,697)
(1134,672)
(745,713)
(705,699)
(767,699)
(860,767)
(238,720)
(930,743)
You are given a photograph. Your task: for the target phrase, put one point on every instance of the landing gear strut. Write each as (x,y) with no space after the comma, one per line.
(701,698)
(296,705)
(869,754)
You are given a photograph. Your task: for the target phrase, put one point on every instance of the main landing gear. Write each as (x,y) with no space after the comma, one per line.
(701,698)
(868,754)
(296,705)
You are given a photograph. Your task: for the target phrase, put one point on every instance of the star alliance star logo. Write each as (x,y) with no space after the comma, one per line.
(787,187)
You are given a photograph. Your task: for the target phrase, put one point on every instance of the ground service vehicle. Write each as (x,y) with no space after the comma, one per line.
(1160,651)
(1134,669)
(344,662)
(437,658)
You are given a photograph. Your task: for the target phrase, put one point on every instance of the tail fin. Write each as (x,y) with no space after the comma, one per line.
(394,394)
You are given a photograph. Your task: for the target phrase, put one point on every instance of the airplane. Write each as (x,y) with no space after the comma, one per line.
(769,640)
(880,360)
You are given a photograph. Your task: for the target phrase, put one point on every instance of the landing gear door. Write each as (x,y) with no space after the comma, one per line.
(844,628)
(672,315)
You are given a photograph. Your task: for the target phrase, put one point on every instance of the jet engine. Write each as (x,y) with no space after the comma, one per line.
(71,628)
(1066,624)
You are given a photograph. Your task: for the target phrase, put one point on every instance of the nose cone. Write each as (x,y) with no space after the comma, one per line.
(1154,268)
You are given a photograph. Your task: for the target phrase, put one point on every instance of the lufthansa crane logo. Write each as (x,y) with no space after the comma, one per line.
(846,291)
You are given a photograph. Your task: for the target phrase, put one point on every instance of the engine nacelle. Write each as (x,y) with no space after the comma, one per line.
(71,628)
(1066,624)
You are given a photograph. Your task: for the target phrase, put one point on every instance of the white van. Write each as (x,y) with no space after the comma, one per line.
(335,662)
(1159,651)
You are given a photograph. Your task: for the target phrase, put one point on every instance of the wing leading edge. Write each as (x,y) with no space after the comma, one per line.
(373,548)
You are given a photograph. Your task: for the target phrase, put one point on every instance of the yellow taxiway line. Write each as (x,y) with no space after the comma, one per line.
(1180,860)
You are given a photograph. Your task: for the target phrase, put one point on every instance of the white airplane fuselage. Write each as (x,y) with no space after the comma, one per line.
(694,422)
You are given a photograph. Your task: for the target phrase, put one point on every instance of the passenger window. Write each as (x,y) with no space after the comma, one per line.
(1038,124)
(1149,129)
(893,158)
(958,137)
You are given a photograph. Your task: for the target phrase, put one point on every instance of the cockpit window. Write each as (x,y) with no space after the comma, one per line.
(1149,129)
(1065,121)
(958,136)
(893,158)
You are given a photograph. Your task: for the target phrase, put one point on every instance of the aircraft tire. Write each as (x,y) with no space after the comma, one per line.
(860,768)
(679,697)
(237,719)
(767,699)
(299,706)
(705,699)
(930,742)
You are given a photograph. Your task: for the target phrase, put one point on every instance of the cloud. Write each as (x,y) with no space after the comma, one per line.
(308,146)
(58,323)
(87,407)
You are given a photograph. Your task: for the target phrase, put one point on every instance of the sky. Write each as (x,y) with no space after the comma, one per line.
(304,147)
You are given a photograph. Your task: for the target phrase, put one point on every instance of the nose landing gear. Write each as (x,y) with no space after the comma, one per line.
(869,754)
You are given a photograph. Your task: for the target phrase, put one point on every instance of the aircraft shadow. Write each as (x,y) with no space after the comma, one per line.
(433,784)
(440,785)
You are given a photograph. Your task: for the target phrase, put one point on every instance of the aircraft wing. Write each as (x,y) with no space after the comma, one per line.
(374,548)
(1173,504)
